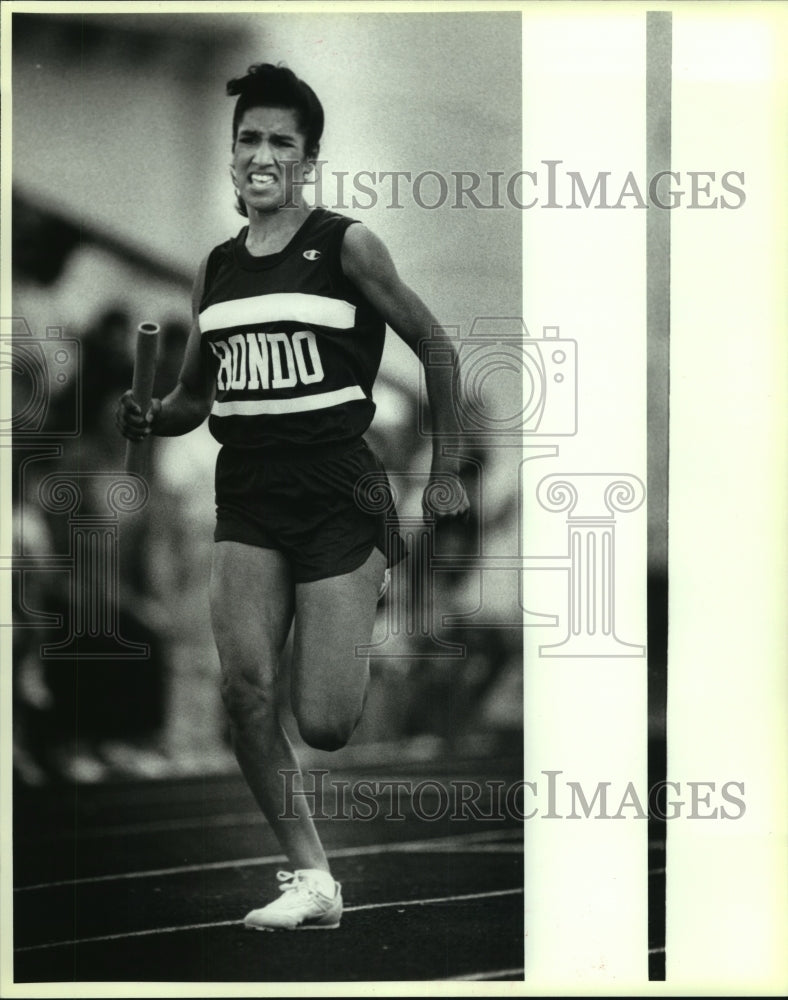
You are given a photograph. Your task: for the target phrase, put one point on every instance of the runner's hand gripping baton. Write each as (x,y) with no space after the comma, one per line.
(142,390)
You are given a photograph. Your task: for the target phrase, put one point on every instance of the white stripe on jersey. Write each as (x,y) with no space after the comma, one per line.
(296,307)
(300,404)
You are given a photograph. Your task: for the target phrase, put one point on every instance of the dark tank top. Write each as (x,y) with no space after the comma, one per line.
(295,346)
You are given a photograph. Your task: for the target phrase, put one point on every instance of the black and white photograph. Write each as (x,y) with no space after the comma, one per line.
(392,453)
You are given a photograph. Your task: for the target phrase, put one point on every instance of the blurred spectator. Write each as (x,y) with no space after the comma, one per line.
(84,718)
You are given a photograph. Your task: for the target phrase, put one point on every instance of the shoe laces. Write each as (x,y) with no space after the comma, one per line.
(294,882)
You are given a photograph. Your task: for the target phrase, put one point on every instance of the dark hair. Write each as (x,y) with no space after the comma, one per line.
(270,86)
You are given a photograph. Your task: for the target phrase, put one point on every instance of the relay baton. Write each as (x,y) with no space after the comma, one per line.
(142,390)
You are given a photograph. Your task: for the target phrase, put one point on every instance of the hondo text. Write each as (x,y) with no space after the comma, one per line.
(267,360)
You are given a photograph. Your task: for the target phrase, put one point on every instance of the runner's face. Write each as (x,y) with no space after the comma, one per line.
(267,139)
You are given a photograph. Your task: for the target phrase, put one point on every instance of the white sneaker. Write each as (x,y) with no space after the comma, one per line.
(302,906)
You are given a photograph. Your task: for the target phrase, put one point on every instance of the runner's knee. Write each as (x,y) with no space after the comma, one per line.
(248,695)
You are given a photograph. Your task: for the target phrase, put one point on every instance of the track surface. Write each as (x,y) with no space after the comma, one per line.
(149,882)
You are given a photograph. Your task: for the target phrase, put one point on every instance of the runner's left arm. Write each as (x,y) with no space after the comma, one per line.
(368,264)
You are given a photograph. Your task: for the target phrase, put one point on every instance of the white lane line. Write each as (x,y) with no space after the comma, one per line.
(656,951)
(513,847)
(172,825)
(399,904)
(408,846)
(129,934)
(497,974)
(438,899)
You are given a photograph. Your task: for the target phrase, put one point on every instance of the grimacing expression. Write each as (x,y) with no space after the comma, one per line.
(268,157)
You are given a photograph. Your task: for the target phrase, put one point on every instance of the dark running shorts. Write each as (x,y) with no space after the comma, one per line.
(303,502)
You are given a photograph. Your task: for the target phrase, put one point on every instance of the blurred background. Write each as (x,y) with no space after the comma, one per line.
(121,150)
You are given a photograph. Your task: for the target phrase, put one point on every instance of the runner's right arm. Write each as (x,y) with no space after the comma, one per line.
(189,403)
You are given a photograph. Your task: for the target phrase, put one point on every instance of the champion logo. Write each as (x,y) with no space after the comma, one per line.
(311,254)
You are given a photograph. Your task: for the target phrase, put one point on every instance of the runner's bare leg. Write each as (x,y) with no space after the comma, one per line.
(252,605)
